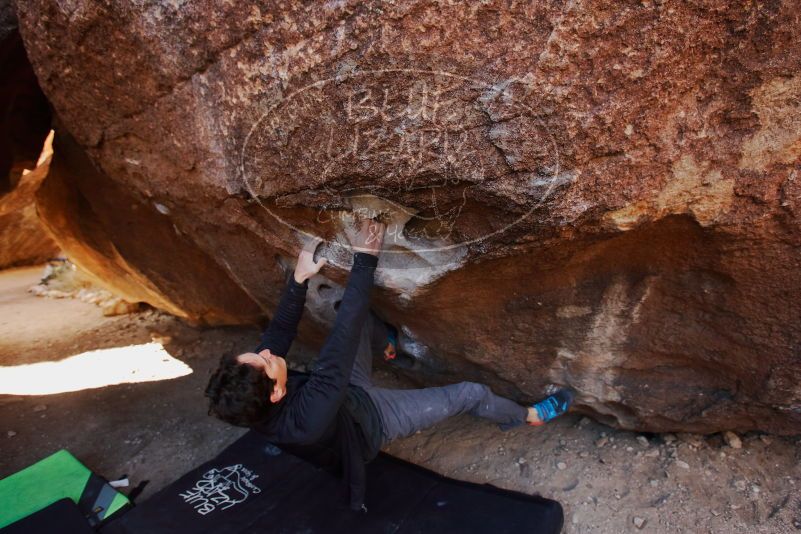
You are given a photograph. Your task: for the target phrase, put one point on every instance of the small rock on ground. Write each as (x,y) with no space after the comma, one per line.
(732,440)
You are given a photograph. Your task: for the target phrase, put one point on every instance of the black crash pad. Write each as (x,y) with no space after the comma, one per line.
(61,516)
(254,487)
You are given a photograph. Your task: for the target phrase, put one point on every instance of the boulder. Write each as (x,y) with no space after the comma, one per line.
(587,194)
(24,125)
(131,248)
(23,239)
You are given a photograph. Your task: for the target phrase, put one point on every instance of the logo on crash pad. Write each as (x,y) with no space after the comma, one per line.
(221,489)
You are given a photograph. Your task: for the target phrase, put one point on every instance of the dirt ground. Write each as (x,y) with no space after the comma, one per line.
(608,481)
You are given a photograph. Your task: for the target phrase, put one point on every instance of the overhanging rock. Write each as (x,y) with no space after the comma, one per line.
(582,193)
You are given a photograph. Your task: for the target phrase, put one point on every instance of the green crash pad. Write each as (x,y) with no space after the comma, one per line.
(56,477)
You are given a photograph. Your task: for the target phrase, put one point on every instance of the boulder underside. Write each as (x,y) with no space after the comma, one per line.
(587,194)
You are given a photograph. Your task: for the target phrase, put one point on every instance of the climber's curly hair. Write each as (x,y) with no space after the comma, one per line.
(239,393)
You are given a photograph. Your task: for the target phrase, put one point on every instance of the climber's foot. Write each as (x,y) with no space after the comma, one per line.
(391,350)
(391,353)
(550,407)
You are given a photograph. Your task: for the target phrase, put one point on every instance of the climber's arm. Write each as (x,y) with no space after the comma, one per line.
(316,404)
(283,327)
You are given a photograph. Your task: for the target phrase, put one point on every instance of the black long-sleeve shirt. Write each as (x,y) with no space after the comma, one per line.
(322,418)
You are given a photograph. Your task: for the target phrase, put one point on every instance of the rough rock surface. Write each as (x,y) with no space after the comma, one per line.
(130,247)
(588,193)
(24,124)
(23,239)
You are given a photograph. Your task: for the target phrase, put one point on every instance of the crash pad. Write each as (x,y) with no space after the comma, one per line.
(61,516)
(58,476)
(253,486)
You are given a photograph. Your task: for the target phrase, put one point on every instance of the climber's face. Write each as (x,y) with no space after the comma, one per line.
(271,365)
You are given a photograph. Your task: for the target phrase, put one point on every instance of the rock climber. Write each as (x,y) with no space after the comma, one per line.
(335,416)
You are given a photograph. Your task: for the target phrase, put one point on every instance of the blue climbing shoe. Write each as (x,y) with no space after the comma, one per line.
(392,353)
(553,406)
(391,350)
